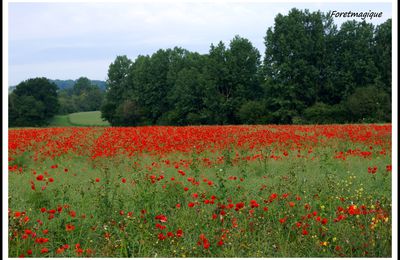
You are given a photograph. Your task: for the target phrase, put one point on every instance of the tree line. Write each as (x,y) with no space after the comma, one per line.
(35,101)
(311,72)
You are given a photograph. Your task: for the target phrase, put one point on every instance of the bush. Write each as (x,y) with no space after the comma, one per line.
(369,105)
(253,112)
(321,113)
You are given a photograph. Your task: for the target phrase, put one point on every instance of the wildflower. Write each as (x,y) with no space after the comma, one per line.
(41,240)
(60,250)
(161,236)
(179,233)
(72,213)
(162,218)
(159,226)
(69,227)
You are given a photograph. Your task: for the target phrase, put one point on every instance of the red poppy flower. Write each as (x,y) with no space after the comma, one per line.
(162,218)
(72,213)
(60,250)
(283,220)
(69,227)
(179,233)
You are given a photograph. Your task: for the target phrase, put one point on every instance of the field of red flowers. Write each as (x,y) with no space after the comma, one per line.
(204,191)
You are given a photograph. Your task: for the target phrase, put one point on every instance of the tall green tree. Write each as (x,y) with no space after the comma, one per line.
(234,73)
(295,59)
(117,86)
(383,54)
(355,66)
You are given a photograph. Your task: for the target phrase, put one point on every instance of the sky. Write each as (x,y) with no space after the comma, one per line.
(71,40)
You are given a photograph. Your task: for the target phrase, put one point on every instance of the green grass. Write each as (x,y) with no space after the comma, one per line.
(60,120)
(92,118)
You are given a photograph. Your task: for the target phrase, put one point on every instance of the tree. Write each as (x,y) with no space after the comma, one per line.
(234,73)
(117,87)
(355,65)
(296,62)
(83,96)
(383,54)
(33,102)
(83,84)
(368,104)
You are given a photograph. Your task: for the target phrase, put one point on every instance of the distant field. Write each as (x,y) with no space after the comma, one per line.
(92,118)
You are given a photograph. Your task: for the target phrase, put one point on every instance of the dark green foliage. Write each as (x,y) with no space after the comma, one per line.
(311,67)
(32,103)
(383,54)
(312,72)
(117,88)
(82,96)
(253,112)
(321,113)
(369,104)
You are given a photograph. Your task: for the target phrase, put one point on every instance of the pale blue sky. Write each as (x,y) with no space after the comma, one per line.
(70,40)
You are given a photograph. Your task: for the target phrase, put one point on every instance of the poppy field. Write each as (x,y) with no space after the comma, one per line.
(200,191)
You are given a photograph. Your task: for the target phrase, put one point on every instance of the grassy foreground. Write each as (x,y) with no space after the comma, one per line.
(252,191)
